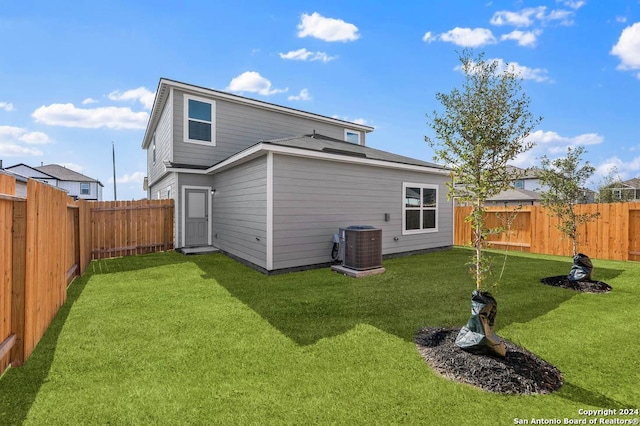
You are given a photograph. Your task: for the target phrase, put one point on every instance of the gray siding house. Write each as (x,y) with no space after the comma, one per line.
(77,185)
(270,185)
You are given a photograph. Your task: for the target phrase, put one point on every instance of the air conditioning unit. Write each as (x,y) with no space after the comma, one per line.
(362,247)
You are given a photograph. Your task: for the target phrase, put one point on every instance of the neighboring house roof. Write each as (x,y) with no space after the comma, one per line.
(632,183)
(516,195)
(18,177)
(36,173)
(165,84)
(317,146)
(62,173)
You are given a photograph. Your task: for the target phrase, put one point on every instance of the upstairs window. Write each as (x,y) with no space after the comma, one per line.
(420,208)
(519,184)
(352,136)
(198,120)
(85,188)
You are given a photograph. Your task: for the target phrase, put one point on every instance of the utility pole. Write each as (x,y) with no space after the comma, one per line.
(113,151)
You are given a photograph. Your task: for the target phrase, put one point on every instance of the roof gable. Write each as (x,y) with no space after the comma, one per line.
(62,173)
(165,85)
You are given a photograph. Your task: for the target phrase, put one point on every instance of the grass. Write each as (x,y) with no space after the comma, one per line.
(168,339)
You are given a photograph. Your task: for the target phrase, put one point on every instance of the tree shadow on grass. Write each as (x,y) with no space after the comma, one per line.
(433,289)
(581,395)
(19,386)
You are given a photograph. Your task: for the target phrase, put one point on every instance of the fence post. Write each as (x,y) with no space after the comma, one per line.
(19,265)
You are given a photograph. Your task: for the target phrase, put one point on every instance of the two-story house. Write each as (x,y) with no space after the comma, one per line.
(76,184)
(271,185)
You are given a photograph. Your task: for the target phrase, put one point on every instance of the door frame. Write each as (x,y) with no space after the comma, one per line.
(183,211)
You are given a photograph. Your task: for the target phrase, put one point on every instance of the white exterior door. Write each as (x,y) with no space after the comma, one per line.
(196,217)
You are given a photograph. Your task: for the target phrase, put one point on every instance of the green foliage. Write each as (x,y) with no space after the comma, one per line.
(482,127)
(565,179)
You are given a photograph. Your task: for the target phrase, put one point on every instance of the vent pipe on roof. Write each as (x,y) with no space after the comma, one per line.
(314,133)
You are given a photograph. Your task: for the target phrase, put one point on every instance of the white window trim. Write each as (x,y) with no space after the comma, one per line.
(352,131)
(184,209)
(211,102)
(153,148)
(88,190)
(406,231)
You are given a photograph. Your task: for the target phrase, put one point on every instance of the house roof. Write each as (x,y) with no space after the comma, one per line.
(516,195)
(62,173)
(319,147)
(165,84)
(320,143)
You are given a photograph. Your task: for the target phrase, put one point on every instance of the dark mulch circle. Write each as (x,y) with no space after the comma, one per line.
(519,372)
(584,286)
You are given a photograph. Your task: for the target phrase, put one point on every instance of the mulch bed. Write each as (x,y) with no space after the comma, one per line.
(519,372)
(584,286)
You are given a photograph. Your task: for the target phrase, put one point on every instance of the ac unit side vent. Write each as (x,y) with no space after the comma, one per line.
(363,248)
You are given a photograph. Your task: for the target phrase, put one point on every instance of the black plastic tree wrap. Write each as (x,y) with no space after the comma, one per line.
(581,269)
(478,335)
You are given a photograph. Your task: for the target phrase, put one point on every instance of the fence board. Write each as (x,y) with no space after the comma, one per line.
(614,235)
(7,187)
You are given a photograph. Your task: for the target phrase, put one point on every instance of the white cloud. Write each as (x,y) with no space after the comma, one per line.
(429,37)
(626,170)
(89,101)
(529,16)
(628,48)
(306,55)
(16,141)
(524,38)
(574,4)
(468,37)
(68,115)
(621,19)
(7,106)
(327,29)
(73,166)
(135,177)
(141,94)
(303,96)
(253,82)
(523,18)
(536,74)
(362,121)
(553,145)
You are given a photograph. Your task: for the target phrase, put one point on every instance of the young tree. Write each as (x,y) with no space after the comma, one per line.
(482,127)
(565,179)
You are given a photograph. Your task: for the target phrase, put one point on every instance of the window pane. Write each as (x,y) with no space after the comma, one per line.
(428,197)
(428,219)
(199,131)
(353,137)
(199,110)
(412,219)
(519,184)
(196,205)
(85,188)
(412,197)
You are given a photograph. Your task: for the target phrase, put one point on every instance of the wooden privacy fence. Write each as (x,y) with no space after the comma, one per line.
(47,239)
(126,228)
(614,235)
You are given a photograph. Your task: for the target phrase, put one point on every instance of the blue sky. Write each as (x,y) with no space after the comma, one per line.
(77,76)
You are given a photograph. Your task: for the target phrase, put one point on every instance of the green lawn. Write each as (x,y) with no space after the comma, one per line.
(169,339)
